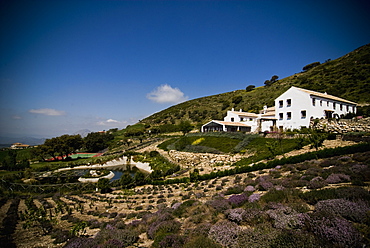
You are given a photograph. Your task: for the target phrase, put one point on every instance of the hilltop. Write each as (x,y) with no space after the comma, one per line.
(347,77)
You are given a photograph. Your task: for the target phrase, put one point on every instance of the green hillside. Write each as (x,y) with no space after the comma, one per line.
(347,77)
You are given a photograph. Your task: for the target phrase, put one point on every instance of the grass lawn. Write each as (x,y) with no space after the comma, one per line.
(223,144)
(259,146)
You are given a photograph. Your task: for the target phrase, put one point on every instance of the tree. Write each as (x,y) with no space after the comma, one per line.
(274,79)
(156,174)
(250,88)
(185,127)
(134,130)
(104,185)
(316,139)
(10,160)
(310,66)
(79,228)
(59,146)
(272,146)
(94,142)
(139,178)
(267,83)
(69,144)
(194,175)
(126,180)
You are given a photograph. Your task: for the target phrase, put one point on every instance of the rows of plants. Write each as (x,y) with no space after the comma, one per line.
(243,166)
(9,224)
(265,210)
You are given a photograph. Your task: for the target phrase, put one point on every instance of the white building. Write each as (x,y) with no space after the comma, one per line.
(243,121)
(296,107)
(293,110)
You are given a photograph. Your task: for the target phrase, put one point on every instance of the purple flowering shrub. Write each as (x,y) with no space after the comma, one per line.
(176,205)
(335,230)
(316,183)
(264,182)
(337,178)
(238,200)
(358,168)
(253,216)
(80,242)
(258,237)
(225,233)
(201,229)
(286,218)
(219,203)
(249,188)
(254,197)
(235,215)
(172,241)
(125,236)
(353,211)
(111,243)
(329,162)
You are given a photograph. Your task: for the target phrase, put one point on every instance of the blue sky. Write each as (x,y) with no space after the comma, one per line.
(71,65)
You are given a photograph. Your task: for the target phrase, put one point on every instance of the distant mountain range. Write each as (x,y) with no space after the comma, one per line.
(32,141)
(7,141)
(347,77)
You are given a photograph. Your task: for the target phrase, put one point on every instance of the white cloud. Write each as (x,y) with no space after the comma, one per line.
(166,94)
(47,111)
(111,122)
(16,117)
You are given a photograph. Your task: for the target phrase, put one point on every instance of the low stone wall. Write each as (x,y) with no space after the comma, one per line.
(95,179)
(343,125)
(189,159)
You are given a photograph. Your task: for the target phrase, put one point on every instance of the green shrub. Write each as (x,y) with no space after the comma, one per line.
(283,196)
(201,242)
(349,193)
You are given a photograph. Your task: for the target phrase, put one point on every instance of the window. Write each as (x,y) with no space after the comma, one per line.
(289,102)
(303,114)
(251,119)
(313,101)
(289,115)
(280,116)
(347,108)
(320,102)
(232,119)
(327,103)
(280,103)
(241,119)
(333,105)
(341,107)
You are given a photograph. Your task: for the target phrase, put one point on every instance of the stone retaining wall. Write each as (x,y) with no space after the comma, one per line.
(343,125)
